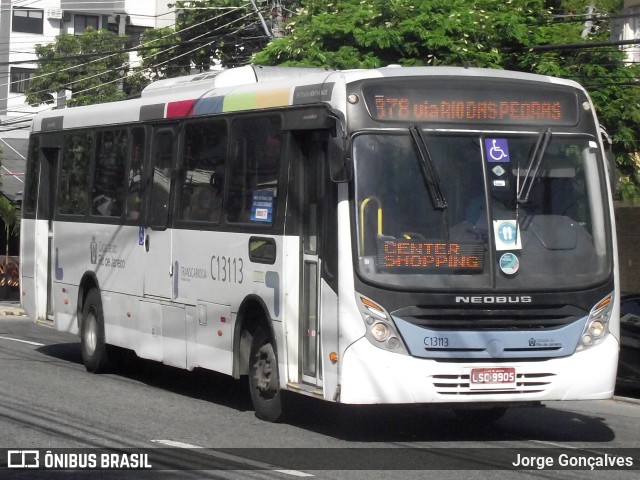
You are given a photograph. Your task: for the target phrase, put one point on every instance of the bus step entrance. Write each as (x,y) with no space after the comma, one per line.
(307,389)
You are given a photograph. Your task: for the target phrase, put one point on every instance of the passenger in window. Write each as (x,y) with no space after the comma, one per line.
(134,200)
(205,201)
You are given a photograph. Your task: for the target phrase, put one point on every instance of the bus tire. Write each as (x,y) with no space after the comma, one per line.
(92,339)
(264,381)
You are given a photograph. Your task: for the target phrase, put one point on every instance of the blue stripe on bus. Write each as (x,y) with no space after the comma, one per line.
(208,105)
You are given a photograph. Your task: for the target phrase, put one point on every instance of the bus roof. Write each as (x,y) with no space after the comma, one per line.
(247,88)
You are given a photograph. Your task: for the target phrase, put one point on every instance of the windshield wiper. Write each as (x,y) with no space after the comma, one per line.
(428,169)
(534,162)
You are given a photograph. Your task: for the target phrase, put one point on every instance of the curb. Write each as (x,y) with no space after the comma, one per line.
(11,311)
(635,401)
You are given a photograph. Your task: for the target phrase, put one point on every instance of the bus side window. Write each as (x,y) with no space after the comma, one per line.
(74,175)
(133,204)
(163,160)
(109,173)
(201,192)
(30,196)
(255,164)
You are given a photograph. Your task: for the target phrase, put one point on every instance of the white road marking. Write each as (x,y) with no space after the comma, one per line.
(35,344)
(234,458)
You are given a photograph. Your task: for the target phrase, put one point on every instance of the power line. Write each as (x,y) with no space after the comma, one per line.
(104,57)
(575,46)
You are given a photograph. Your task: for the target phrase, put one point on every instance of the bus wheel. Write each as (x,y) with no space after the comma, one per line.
(94,349)
(264,381)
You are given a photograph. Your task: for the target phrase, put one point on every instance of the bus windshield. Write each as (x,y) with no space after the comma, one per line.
(518,210)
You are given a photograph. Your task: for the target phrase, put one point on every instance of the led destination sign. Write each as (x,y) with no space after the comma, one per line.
(421,255)
(474,101)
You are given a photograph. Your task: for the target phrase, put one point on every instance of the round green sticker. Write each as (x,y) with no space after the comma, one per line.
(509,263)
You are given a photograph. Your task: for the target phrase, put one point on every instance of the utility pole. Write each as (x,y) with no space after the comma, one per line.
(277,19)
(264,24)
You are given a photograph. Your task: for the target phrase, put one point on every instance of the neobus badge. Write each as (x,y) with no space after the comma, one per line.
(494,299)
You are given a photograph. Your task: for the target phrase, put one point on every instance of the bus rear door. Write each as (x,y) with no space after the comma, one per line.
(162,324)
(157,235)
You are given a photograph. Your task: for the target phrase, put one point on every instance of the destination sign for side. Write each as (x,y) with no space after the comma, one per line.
(404,108)
(476,101)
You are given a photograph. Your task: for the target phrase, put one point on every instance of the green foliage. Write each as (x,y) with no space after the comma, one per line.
(482,33)
(69,64)
(374,33)
(367,34)
(208,33)
(611,83)
(158,54)
(10,215)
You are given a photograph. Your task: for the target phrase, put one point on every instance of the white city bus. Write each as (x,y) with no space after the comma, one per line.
(388,236)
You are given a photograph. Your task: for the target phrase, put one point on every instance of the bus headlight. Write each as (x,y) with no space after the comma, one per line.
(381,331)
(597,329)
(597,325)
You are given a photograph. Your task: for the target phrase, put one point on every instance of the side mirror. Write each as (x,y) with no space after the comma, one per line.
(340,165)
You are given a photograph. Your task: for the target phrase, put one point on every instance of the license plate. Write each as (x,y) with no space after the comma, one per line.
(492,378)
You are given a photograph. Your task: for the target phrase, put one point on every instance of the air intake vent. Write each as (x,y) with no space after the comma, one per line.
(494,318)
(458,385)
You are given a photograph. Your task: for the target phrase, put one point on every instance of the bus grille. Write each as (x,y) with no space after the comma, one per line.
(491,318)
(456,385)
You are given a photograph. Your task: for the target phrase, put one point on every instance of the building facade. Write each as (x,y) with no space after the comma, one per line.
(626,28)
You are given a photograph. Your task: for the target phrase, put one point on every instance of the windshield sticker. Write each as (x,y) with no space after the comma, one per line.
(413,255)
(509,263)
(507,235)
(497,149)
(262,206)
(498,171)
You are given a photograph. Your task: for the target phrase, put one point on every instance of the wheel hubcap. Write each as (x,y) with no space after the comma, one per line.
(266,379)
(91,334)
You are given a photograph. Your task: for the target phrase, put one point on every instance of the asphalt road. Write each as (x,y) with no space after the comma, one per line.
(201,425)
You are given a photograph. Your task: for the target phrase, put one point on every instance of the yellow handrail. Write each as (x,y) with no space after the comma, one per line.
(362,207)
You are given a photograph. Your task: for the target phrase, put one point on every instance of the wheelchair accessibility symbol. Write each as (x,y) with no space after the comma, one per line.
(497,149)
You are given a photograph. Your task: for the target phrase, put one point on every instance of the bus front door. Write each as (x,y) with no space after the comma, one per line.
(310,289)
(47,193)
(162,324)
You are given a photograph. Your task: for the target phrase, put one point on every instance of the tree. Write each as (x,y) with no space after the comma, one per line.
(217,31)
(611,82)
(158,54)
(374,33)
(10,215)
(91,66)
(210,33)
(480,33)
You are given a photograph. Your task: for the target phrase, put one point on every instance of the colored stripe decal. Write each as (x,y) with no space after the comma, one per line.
(230,103)
(274,98)
(52,123)
(248,101)
(208,105)
(239,101)
(152,112)
(182,108)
